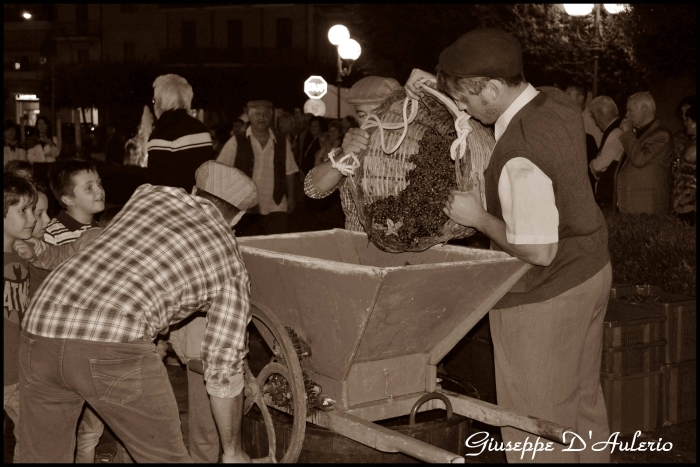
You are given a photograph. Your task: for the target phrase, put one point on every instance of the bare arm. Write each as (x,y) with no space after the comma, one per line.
(228,414)
(464,208)
(324,177)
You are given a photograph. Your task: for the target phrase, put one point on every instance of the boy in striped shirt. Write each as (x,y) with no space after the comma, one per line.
(77,187)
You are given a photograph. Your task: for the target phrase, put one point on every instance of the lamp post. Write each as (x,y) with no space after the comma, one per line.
(347,49)
(597,43)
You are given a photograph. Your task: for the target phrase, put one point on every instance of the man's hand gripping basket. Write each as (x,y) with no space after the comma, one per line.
(406,173)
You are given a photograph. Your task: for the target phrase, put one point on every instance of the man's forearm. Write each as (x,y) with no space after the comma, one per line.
(539,255)
(228,415)
(325,177)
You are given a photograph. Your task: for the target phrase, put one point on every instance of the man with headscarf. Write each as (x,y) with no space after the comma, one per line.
(366,95)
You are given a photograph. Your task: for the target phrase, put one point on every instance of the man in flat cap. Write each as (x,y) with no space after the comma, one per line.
(321,181)
(179,142)
(547,331)
(88,333)
(269,161)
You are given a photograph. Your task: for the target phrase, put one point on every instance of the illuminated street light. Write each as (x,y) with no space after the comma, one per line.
(26,15)
(615,8)
(578,9)
(347,49)
(597,39)
(338,34)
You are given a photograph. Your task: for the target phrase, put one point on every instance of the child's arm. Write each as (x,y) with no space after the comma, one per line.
(53,255)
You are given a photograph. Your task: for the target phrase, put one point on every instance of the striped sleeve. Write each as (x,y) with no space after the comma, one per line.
(183,143)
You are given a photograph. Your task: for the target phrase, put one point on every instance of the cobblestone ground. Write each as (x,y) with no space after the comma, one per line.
(683,436)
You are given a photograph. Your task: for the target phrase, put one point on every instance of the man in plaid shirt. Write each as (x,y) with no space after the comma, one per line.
(88,334)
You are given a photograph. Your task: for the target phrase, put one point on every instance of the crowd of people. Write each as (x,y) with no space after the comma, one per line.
(93,295)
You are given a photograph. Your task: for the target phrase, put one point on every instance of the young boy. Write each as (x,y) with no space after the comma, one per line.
(19,198)
(78,188)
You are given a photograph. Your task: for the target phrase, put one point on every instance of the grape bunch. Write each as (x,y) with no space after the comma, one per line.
(418,208)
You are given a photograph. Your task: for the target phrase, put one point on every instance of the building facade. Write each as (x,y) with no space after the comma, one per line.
(229,53)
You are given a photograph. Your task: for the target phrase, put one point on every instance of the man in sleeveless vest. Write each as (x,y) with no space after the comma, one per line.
(603,167)
(547,330)
(269,161)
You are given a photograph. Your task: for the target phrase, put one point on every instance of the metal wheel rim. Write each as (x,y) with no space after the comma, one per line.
(293,374)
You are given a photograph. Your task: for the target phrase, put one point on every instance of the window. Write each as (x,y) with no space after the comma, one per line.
(189,34)
(81,19)
(235,39)
(83,55)
(81,13)
(129,51)
(284,33)
(129,7)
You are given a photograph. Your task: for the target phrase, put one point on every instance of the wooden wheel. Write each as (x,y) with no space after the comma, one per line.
(278,384)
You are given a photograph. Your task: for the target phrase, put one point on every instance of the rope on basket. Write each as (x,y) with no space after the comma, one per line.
(345,168)
(478,160)
(457,150)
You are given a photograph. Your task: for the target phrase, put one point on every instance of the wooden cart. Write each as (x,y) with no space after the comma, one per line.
(357,333)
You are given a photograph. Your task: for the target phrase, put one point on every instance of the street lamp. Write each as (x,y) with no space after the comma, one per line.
(597,43)
(347,49)
(26,15)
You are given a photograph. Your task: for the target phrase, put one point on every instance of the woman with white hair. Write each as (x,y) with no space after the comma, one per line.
(179,143)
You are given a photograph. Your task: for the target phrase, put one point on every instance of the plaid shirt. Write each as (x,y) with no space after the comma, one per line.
(166,255)
(352,219)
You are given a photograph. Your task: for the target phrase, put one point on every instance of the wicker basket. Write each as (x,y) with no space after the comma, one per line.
(382,175)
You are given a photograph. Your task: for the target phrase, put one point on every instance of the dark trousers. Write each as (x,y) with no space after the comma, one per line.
(126,384)
(258,224)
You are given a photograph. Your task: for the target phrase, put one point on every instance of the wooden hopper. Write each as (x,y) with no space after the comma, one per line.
(377,323)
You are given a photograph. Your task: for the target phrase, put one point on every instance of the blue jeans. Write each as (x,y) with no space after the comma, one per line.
(126,384)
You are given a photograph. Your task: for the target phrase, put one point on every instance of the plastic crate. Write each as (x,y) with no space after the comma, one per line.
(631,326)
(633,359)
(483,377)
(680,330)
(632,402)
(678,392)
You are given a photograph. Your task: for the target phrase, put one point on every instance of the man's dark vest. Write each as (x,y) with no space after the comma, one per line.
(245,158)
(606,180)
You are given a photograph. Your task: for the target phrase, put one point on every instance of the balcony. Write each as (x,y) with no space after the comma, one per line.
(77,31)
(248,56)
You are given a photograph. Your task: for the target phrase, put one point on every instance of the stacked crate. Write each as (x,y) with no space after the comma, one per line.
(633,353)
(678,389)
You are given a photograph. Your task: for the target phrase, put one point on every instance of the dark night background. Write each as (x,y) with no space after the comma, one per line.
(644,46)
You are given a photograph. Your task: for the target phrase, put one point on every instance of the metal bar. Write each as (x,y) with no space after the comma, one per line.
(384,439)
(398,407)
(496,416)
(438,352)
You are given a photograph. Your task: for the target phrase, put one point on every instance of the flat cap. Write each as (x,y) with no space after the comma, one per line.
(259,103)
(487,52)
(372,89)
(227,183)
